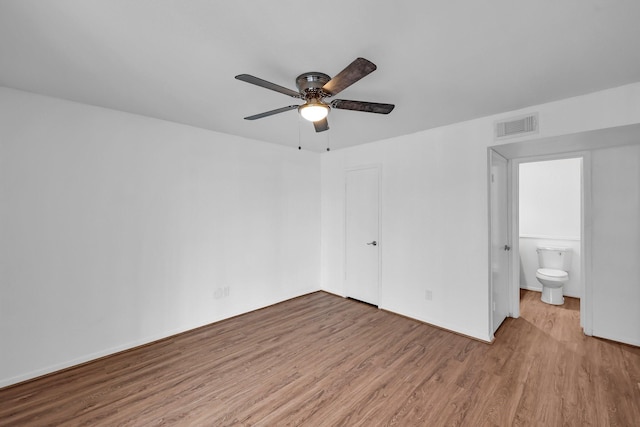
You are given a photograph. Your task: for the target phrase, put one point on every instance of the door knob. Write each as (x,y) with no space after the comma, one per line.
(507,247)
(374,243)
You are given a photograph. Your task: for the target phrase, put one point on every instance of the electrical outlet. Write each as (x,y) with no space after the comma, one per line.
(220,293)
(428,294)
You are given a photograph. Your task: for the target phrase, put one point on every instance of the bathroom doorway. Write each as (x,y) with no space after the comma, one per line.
(548,211)
(609,220)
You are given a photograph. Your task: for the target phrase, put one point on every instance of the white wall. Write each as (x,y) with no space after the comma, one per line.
(116,230)
(433,226)
(434,208)
(550,198)
(615,269)
(549,215)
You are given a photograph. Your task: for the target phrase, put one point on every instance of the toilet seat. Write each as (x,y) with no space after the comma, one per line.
(551,274)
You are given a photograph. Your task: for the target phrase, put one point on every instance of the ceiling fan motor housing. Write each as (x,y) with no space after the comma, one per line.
(310,84)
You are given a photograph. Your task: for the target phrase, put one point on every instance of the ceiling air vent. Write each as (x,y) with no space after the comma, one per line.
(519,126)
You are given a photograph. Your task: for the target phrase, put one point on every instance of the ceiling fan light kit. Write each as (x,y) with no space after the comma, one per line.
(313,111)
(314,87)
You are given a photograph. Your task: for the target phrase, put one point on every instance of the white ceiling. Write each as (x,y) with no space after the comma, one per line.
(439,61)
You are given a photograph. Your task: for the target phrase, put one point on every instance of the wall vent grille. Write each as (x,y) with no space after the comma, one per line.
(519,126)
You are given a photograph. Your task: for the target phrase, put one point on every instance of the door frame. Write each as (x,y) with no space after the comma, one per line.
(586,300)
(378,168)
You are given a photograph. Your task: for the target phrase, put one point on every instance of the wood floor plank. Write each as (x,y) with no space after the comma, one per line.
(322,360)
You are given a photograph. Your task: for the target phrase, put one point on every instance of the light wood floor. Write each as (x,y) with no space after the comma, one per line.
(321,360)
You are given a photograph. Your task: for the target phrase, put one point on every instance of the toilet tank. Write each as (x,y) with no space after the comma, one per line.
(554,257)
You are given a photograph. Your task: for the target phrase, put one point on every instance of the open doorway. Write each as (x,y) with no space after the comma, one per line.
(547,199)
(548,227)
(609,224)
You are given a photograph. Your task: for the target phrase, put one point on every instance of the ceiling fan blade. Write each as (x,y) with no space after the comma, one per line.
(345,78)
(367,107)
(271,113)
(321,125)
(268,85)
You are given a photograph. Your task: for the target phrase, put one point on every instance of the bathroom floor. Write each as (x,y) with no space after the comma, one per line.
(559,321)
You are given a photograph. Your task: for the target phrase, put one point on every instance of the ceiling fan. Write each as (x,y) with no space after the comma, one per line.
(314,87)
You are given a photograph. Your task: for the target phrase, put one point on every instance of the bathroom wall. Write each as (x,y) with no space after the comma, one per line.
(549,215)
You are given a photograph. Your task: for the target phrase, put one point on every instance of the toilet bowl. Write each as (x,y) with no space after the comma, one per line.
(552,282)
(552,274)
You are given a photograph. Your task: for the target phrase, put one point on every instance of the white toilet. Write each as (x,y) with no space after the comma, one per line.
(552,274)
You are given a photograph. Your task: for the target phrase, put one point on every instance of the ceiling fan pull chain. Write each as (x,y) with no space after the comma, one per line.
(299,134)
(328,138)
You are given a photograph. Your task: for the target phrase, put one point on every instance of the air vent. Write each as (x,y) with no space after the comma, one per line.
(519,126)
